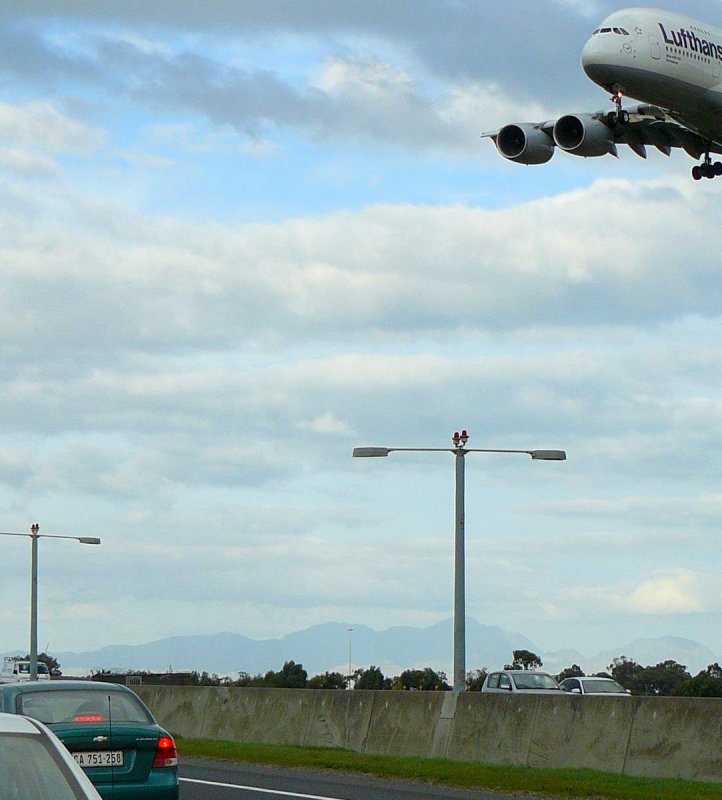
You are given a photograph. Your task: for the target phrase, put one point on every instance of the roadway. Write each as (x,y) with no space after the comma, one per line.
(225,780)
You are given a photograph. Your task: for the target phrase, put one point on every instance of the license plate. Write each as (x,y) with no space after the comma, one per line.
(99,758)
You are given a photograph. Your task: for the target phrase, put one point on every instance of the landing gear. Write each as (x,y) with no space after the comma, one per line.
(620,116)
(707,169)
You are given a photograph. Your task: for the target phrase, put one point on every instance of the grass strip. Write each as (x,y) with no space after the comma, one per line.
(563,783)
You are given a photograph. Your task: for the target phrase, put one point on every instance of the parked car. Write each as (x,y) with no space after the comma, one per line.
(34,765)
(109,732)
(522,681)
(593,685)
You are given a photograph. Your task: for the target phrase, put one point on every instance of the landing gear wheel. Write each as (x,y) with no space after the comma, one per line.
(708,168)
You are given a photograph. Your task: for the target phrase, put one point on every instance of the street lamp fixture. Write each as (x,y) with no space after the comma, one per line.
(459,440)
(34,536)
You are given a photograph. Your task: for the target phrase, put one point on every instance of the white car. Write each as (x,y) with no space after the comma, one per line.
(522,681)
(34,765)
(593,685)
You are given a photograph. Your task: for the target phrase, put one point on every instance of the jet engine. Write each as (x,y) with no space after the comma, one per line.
(525,144)
(584,135)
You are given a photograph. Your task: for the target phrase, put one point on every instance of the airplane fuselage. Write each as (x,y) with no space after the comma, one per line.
(669,62)
(662,58)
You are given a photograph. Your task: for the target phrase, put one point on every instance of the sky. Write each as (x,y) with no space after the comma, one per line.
(238,240)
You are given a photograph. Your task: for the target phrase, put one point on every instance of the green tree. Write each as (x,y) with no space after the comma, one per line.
(371,678)
(575,671)
(628,673)
(524,659)
(663,678)
(707,683)
(292,676)
(475,679)
(204,679)
(244,679)
(329,680)
(52,664)
(423,679)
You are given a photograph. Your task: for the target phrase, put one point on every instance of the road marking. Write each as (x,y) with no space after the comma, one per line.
(262,791)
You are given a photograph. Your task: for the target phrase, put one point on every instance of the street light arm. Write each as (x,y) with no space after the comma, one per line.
(81,539)
(382,452)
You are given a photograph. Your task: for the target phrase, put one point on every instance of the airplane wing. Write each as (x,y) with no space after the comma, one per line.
(598,134)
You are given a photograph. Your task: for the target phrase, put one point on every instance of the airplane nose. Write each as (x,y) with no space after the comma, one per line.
(594,63)
(590,52)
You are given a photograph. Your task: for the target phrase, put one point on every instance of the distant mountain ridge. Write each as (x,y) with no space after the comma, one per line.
(325,647)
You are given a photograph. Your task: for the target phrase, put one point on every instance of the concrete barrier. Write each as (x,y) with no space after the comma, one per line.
(646,736)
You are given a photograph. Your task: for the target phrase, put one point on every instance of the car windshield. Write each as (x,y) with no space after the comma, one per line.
(24,668)
(603,687)
(30,771)
(82,707)
(534,680)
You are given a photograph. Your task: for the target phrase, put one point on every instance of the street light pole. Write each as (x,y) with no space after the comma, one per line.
(459,664)
(459,450)
(34,536)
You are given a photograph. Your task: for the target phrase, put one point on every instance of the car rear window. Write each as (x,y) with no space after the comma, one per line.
(534,681)
(82,707)
(30,771)
(603,687)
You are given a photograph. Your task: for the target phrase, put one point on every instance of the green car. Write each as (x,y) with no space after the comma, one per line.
(109,732)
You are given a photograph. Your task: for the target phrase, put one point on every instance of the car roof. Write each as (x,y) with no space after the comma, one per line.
(524,671)
(58,685)
(14,723)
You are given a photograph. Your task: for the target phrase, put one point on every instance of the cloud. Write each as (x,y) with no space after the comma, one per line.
(671,594)
(362,91)
(26,163)
(326,423)
(169,285)
(40,124)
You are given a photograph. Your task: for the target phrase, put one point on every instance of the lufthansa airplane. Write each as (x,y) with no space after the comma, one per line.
(670,63)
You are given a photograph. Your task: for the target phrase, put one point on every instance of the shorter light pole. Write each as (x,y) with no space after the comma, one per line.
(34,536)
(459,450)
(350,632)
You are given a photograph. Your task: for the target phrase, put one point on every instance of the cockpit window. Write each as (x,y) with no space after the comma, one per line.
(618,31)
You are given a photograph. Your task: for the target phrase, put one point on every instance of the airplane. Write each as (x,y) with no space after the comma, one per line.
(670,63)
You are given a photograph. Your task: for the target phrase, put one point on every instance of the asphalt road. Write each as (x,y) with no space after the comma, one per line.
(225,780)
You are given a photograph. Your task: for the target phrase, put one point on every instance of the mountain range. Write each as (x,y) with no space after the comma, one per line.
(334,646)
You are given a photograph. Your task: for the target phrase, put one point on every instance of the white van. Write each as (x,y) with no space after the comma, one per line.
(16,670)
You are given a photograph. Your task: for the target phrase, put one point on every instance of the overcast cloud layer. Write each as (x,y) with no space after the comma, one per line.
(239,239)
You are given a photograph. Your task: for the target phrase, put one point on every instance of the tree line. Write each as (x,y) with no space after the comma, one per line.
(668,678)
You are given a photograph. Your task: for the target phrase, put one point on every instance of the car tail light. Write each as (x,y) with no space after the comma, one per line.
(165,753)
(88,718)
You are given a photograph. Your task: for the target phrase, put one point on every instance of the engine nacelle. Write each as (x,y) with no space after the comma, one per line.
(524,144)
(584,135)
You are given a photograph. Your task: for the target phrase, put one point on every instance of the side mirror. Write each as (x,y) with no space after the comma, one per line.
(576,691)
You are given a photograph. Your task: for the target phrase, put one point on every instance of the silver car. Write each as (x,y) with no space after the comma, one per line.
(593,685)
(520,681)
(34,765)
